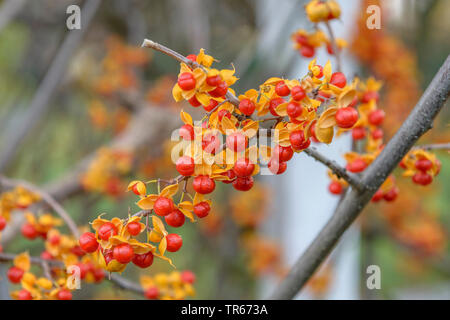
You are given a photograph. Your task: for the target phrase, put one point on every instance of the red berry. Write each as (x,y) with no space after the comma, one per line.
(28,231)
(376,117)
(237,142)
(187,132)
(297,139)
(423,165)
(282,89)
(134,228)
(163,206)
(346,117)
(297,93)
(188,276)
(301,39)
(194,102)
(202,209)
(185,165)
(220,90)
(391,195)
(243,167)
(15,274)
(2,223)
(24,295)
(186,81)
(358,133)
(192,57)
(243,184)
(370,95)
(107,230)
(356,165)
(335,187)
(377,133)
(143,260)
(277,167)
(330,48)
(175,219)
(247,107)
(283,154)
(203,184)
(151,293)
(174,242)
(377,196)
(338,79)
(294,109)
(307,51)
(45,255)
(99,274)
(212,104)
(123,253)
(422,178)
(230,174)
(213,81)
(77,251)
(273,104)
(88,242)
(64,294)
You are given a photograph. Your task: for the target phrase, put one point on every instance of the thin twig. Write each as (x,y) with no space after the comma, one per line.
(341,172)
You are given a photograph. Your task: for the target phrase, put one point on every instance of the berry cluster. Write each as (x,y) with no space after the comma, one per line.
(172,286)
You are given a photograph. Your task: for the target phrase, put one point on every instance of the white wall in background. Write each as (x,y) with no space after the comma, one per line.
(303,203)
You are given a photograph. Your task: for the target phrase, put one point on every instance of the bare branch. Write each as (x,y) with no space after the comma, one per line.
(40,103)
(334,46)
(341,172)
(418,122)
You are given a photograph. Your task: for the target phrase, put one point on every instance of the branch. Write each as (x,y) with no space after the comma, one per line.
(47,198)
(341,172)
(8,11)
(180,58)
(40,103)
(418,122)
(334,46)
(434,146)
(121,282)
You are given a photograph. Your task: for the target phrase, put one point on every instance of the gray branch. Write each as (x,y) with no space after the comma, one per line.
(418,122)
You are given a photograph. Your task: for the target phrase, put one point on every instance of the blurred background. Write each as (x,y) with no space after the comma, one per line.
(84,112)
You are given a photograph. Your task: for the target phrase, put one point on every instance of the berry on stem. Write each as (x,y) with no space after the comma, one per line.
(175,219)
(185,166)
(174,242)
(163,206)
(203,184)
(202,209)
(123,253)
(346,117)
